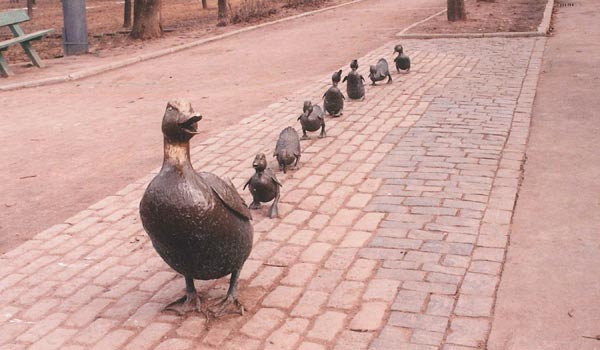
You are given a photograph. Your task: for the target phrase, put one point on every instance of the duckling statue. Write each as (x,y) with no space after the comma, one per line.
(336,77)
(333,101)
(355,87)
(402,61)
(379,71)
(287,150)
(263,186)
(197,222)
(311,119)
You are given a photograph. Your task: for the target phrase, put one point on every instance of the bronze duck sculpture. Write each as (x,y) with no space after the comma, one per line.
(287,149)
(355,87)
(197,222)
(333,98)
(402,61)
(311,119)
(380,71)
(263,186)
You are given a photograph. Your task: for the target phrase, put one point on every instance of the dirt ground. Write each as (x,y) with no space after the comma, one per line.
(489,17)
(185,19)
(181,19)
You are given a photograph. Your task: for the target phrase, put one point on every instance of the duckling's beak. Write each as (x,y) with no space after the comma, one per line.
(190,125)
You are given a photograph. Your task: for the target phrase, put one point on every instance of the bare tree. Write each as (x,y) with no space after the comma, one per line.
(456,10)
(146,19)
(222,10)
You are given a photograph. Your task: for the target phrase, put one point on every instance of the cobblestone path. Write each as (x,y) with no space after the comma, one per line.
(392,235)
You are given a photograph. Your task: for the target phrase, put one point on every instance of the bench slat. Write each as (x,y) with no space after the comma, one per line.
(12,17)
(27,37)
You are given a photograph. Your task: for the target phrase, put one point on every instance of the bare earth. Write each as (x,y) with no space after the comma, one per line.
(182,20)
(489,17)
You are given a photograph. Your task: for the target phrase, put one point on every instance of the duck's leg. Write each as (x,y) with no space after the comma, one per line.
(322,129)
(220,308)
(304,135)
(255,203)
(296,163)
(273,212)
(189,302)
(389,78)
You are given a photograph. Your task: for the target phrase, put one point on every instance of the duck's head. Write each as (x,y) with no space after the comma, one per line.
(354,64)
(180,122)
(260,162)
(398,49)
(307,107)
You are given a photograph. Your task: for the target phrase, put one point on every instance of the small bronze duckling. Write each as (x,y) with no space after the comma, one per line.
(379,71)
(263,186)
(287,149)
(333,101)
(312,119)
(402,61)
(355,87)
(197,222)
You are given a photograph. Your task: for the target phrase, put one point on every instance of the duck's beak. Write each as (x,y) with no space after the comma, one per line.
(190,125)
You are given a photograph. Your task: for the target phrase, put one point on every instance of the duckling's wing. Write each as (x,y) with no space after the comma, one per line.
(227,194)
(271,174)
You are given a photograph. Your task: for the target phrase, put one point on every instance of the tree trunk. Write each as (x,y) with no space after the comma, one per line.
(127,14)
(222,13)
(146,19)
(456,10)
(204,5)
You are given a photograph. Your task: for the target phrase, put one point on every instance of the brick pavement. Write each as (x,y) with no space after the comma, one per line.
(392,234)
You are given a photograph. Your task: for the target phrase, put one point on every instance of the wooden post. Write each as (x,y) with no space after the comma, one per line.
(75,39)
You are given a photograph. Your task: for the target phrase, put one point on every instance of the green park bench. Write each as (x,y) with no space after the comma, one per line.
(12,20)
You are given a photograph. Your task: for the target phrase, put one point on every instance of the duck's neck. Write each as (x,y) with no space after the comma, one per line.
(177,154)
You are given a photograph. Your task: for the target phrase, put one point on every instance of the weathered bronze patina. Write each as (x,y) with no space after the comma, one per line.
(380,71)
(355,87)
(197,222)
(311,119)
(333,101)
(402,61)
(336,77)
(263,186)
(287,150)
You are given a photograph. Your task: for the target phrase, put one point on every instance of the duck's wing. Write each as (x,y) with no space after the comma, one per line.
(271,174)
(227,194)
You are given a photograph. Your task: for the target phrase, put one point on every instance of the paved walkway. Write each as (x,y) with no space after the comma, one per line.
(393,231)
(549,297)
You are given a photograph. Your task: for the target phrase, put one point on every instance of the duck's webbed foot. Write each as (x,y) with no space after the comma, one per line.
(224,307)
(221,308)
(273,212)
(189,302)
